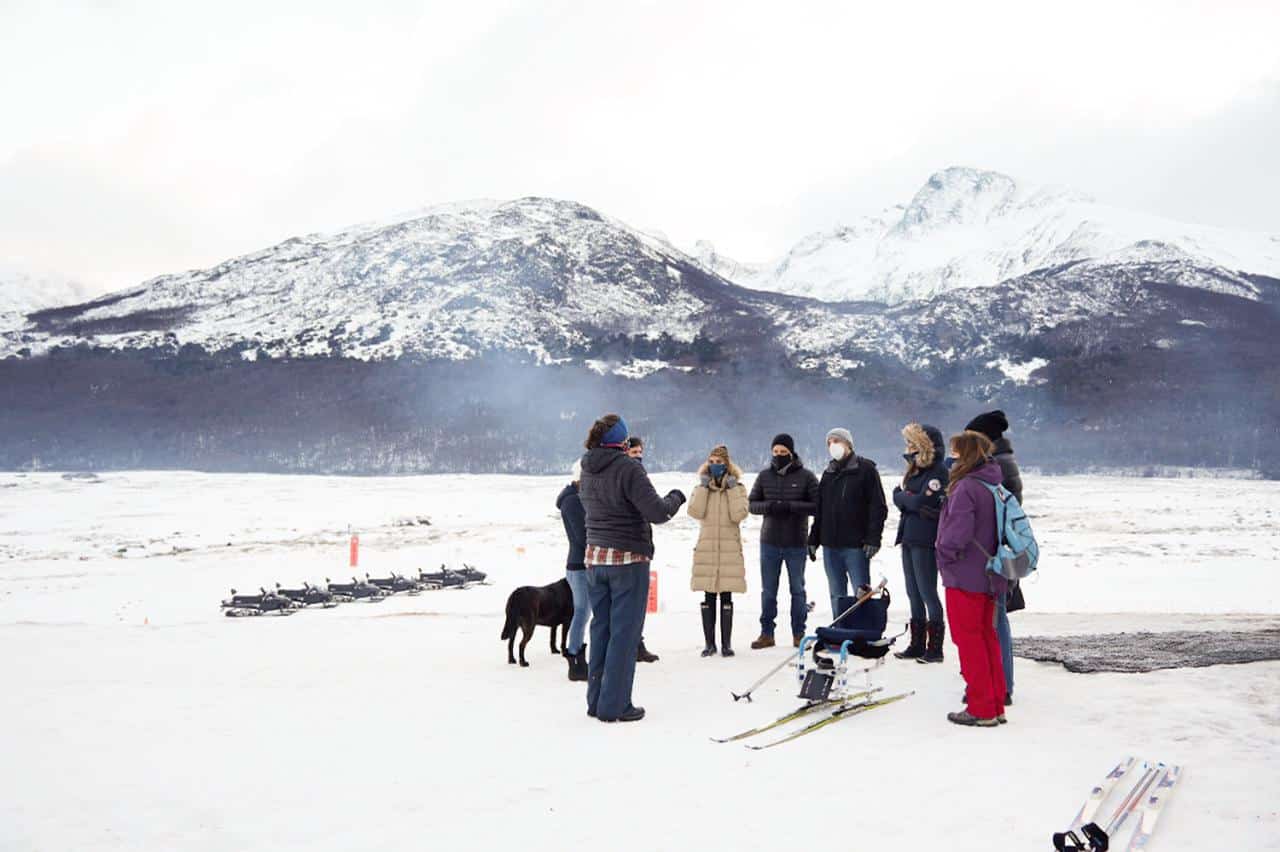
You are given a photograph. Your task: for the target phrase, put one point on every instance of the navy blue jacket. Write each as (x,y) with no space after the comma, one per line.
(620,502)
(920,500)
(575,525)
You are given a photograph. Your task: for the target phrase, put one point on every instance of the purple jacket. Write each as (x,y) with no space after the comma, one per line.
(969,514)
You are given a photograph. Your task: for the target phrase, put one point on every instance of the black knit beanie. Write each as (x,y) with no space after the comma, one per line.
(993,424)
(785,440)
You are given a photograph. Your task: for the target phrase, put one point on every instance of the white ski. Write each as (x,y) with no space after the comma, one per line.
(1099,794)
(1151,809)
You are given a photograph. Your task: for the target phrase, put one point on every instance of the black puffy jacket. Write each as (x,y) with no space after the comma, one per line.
(797,489)
(575,525)
(920,500)
(620,502)
(851,508)
(1009,468)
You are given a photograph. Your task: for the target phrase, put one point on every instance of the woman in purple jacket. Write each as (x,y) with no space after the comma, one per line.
(966,529)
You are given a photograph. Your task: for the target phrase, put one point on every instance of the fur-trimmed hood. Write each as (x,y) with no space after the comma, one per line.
(926,442)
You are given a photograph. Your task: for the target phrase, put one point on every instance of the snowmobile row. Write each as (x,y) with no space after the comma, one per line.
(284,601)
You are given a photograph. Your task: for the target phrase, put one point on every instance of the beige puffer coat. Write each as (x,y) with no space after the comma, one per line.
(718,565)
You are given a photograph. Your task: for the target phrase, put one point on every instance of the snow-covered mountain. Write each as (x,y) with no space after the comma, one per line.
(727,268)
(535,275)
(425,342)
(23,291)
(971,228)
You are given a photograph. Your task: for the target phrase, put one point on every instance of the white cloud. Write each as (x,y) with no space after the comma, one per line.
(143,138)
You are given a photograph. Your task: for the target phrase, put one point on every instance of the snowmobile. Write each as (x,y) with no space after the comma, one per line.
(355,590)
(261,604)
(447,579)
(395,584)
(308,595)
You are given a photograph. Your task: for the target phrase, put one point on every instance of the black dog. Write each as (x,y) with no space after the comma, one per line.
(529,606)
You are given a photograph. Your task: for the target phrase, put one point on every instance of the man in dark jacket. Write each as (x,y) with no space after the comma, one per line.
(994,424)
(620,504)
(786,493)
(849,520)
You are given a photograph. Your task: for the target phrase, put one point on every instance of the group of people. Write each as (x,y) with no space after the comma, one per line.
(946,526)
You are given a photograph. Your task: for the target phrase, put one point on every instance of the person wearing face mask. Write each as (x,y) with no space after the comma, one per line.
(919,502)
(849,519)
(786,494)
(719,502)
(635,449)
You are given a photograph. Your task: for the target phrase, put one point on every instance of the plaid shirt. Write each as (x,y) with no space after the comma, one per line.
(597,555)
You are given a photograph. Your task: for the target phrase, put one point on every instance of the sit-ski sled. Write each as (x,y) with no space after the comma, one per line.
(858,631)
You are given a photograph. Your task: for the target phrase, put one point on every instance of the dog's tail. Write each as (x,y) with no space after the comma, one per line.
(509,627)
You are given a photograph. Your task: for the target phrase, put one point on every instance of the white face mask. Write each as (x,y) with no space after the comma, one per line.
(837,450)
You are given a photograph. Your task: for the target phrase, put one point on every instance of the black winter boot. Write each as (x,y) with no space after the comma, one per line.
(709,628)
(916,649)
(578,664)
(726,628)
(934,633)
(643,655)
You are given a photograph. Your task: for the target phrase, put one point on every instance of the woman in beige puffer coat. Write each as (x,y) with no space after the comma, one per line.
(719,502)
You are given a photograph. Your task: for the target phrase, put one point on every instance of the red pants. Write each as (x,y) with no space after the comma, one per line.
(972,620)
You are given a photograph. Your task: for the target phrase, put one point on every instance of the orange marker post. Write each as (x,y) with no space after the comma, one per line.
(653,592)
(355,549)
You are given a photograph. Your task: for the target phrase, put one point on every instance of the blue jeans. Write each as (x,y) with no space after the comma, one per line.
(581,609)
(619,595)
(1006,642)
(845,564)
(771,559)
(920,570)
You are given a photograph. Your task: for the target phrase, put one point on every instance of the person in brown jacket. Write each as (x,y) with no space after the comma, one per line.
(720,503)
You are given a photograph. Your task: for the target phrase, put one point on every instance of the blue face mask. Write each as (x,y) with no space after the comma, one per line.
(948,463)
(717,470)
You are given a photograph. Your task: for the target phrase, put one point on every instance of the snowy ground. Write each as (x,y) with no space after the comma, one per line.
(136,717)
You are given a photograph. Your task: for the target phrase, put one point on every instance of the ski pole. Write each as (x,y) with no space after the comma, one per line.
(870,594)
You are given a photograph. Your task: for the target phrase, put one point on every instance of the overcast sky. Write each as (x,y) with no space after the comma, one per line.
(144,138)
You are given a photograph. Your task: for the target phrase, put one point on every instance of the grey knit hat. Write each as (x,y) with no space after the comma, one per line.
(843,434)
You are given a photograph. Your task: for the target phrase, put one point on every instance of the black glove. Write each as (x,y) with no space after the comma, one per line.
(779,507)
(870,550)
(813,553)
(678,495)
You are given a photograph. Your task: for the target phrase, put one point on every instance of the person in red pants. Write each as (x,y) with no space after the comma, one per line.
(966,528)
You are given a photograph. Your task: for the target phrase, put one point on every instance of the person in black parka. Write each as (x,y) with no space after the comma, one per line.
(620,505)
(786,493)
(849,521)
(919,500)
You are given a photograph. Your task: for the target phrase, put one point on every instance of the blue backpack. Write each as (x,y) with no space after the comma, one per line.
(1017,551)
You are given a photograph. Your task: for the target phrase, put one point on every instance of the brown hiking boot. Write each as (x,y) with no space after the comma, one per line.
(796,640)
(763,642)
